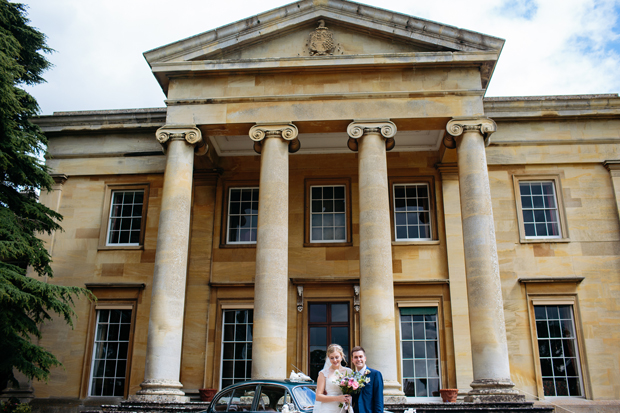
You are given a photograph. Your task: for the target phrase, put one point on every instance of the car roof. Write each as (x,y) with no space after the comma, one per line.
(286,383)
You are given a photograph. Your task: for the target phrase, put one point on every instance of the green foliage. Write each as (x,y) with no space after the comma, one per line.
(14,406)
(25,302)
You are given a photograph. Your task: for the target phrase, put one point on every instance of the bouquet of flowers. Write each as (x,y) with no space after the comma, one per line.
(351,383)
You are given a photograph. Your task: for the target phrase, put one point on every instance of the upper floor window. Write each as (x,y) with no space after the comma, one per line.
(413,207)
(124,216)
(242,215)
(540,209)
(327,212)
(540,212)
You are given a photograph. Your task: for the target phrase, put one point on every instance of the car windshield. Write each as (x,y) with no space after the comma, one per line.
(305,396)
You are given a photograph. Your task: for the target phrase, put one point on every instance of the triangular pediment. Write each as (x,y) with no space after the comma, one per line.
(331,38)
(356,29)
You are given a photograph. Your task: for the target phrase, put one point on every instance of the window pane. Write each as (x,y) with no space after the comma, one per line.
(340,335)
(339,192)
(340,313)
(318,313)
(407,347)
(318,336)
(317,192)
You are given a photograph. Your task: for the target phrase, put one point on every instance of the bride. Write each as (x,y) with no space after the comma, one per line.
(328,393)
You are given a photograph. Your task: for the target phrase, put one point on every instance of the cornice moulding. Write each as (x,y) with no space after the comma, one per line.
(104,121)
(414,94)
(339,61)
(549,107)
(527,280)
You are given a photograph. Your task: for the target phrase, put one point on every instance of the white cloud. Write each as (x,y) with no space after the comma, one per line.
(552,46)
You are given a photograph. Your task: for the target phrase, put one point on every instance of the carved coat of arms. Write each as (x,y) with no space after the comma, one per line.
(321,41)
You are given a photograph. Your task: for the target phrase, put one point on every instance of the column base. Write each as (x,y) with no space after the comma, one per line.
(160,391)
(392,394)
(493,391)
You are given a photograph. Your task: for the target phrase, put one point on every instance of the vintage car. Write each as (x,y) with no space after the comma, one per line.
(265,396)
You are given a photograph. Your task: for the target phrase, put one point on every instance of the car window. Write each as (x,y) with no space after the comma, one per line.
(221,403)
(305,396)
(272,398)
(242,399)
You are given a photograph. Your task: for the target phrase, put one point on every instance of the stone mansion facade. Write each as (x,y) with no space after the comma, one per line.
(332,172)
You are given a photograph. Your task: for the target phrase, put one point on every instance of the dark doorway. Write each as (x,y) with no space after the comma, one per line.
(327,323)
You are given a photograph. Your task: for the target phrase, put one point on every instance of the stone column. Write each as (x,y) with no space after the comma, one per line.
(456,270)
(269,341)
(165,336)
(489,348)
(377,320)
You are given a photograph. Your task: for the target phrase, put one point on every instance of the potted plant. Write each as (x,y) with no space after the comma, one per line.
(449,395)
(206,395)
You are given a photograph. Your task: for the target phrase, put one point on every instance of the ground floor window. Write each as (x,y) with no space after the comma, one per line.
(327,323)
(557,349)
(109,368)
(420,351)
(236,346)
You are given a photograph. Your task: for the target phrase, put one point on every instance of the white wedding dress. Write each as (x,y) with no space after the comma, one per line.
(332,389)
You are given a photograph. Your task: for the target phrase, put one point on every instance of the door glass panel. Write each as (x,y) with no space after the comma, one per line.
(340,313)
(340,335)
(318,313)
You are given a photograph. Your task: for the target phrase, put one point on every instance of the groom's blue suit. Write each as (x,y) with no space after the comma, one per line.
(370,398)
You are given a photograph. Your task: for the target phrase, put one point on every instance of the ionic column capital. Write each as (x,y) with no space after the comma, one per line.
(485,126)
(285,130)
(359,128)
(190,133)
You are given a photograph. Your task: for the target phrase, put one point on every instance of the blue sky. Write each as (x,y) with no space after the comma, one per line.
(552,47)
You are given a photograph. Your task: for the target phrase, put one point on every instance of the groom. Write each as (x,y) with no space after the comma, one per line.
(370,398)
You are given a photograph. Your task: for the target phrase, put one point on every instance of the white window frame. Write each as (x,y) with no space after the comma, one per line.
(556,301)
(106,218)
(559,208)
(111,219)
(421,304)
(429,211)
(224,308)
(340,240)
(228,215)
(125,377)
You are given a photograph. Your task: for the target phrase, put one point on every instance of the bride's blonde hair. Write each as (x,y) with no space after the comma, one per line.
(333,348)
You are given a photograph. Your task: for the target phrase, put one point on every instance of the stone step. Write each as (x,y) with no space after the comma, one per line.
(527,407)
(137,407)
(195,407)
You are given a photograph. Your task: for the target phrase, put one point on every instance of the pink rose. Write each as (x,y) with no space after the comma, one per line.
(355,385)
